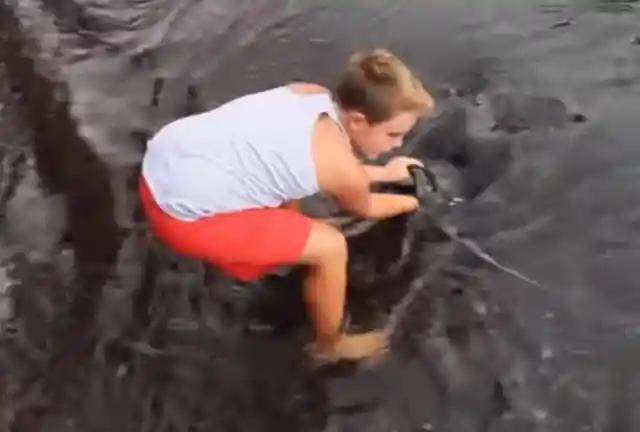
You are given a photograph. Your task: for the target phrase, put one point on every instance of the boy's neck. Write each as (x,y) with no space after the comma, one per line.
(341,117)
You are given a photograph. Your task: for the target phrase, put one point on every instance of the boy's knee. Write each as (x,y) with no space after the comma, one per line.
(325,244)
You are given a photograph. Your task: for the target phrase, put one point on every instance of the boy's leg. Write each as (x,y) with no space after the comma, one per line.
(326,256)
(325,285)
(247,244)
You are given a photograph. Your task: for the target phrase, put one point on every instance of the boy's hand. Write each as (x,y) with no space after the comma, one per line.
(397,169)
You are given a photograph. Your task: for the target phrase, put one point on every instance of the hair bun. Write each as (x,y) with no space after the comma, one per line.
(378,84)
(376,65)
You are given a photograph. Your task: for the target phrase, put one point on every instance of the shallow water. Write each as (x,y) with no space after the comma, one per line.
(104,330)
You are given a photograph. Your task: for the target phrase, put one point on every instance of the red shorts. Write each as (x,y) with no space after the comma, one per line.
(245,244)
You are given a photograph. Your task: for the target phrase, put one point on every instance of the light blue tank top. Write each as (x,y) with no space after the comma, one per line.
(251,152)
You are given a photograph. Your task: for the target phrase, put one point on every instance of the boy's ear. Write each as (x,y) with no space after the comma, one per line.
(356,120)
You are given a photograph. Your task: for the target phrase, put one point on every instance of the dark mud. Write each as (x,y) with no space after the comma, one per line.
(103,329)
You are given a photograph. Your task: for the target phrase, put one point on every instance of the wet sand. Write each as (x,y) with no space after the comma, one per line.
(103,329)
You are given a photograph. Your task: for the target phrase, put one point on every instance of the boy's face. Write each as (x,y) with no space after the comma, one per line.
(378,138)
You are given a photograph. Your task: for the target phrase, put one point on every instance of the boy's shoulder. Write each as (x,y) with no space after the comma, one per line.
(336,165)
(304,88)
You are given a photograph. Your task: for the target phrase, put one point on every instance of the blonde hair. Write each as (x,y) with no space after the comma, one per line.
(379,85)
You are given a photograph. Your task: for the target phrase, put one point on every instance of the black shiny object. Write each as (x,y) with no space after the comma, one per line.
(428,191)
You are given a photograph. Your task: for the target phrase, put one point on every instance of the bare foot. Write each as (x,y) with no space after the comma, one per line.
(351,347)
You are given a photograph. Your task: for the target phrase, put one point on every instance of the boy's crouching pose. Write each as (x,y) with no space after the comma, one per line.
(221,186)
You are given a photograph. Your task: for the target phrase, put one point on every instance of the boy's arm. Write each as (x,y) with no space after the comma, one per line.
(395,170)
(341,175)
(387,205)
(360,201)
(376,173)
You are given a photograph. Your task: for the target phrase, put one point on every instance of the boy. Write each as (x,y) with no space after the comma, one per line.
(222,186)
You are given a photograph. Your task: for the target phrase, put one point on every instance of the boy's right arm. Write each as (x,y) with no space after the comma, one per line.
(386,205)
(341,175)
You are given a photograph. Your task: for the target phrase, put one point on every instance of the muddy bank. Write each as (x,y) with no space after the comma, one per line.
(109,331)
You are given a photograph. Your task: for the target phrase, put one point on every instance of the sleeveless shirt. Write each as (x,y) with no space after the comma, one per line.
(251,152)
